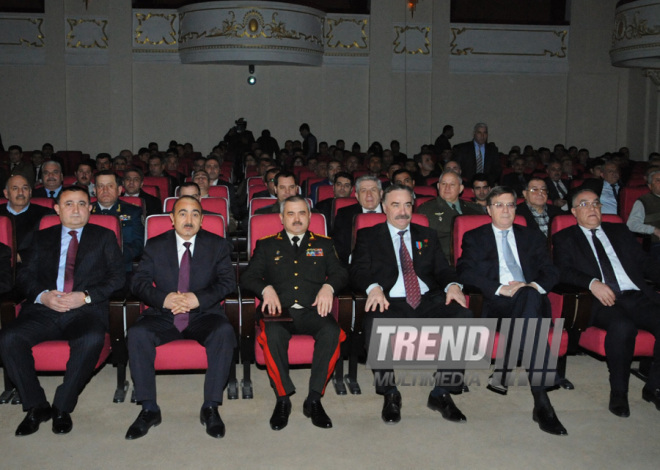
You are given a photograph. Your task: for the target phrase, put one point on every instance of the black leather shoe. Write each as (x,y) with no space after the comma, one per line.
(62,423)
(392,408)
(210,418)
(652,396)
(496,388)
(313,409)
(445,405)
(619,404)
(280,417)
(141,425)
(545,416)
(35,416)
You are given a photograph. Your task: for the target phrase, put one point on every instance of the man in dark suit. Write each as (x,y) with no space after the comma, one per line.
(52,177)
(606,259)
(342,187)
(442,142)
(184,275)
(558,188)
(286,185)
(6,274)
(514,275)
(535,209)
(517,179)
(297,270)
(67,284)
(607,187)
(478,156)
(17,166)
(378,265)
(368,192)
(133,181)
(269,180)
(442,210)
(24,215)
(108,189)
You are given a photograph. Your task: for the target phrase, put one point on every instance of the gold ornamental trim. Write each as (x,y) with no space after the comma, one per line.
(333,23)
(142,38)
(560,53)
(400,48)
(73,42)
(38,22)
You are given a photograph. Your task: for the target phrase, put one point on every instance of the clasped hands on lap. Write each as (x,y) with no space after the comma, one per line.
(510,289)
(323,302)
(179,302)
(63,301)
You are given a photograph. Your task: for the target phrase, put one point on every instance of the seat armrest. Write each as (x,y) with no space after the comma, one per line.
(248,312)
(233,311)
(345,313)
(576,306)
(476,300)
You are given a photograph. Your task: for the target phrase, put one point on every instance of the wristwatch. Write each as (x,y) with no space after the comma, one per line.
(88,299)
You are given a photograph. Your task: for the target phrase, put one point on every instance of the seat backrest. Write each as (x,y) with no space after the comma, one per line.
(68,180)
(327,191)
(134,200)
(162,182)
(152,190)
(110,222)
(219,191)
(263,225)
(341,202)
(8,236)
(627,198)
(311,181)
(261,202)
(255,181)
(160,223)
(426,191)
(257,188)
(561,222)
(48,202)
(467,194)
(419,200)
(465,223)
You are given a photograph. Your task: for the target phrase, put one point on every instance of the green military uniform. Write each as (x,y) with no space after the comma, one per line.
(132,229)
(441,216)
(297,279)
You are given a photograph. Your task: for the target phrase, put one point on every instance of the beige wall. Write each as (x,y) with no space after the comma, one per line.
(126,104)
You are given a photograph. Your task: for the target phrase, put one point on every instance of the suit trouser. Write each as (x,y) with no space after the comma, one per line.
(527,303)
(631,311)
(212,331)
(274,339)
(430,307)
(37,323)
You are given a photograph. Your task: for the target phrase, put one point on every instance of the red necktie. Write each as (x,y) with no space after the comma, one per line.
(70,261)
(413,294)
(181,320)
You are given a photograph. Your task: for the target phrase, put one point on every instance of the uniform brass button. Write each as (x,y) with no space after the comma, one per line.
(295,262)
(295,274)
(296,287)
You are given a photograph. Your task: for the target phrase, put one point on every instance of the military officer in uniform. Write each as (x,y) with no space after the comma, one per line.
(108,188)
(442,210)
(297,272)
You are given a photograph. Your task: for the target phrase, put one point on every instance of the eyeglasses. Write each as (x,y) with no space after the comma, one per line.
(538,190)
(502,205)
(594,204)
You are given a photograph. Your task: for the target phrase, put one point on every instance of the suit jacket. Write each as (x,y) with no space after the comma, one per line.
(98,270)
(132,229)
(441,219)
(524,210)
(40,192)
(325,208)
(342,231)
(6,274)
(26,222)
(374,259)
(296,278)
(212,276)
(24,169)
(479,264)
(578,265)
(153,204)
(465,155)
(553,194)
(512,180)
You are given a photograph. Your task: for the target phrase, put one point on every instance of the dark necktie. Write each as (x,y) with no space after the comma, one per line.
(51,194)
(295,241)
(615,192)
(413,294)
(70,261)
(371,212)
(609,277)
(559,190)
(181,320)
(480,161)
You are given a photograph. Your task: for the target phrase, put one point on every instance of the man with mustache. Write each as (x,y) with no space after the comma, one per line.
(24,215)
(297,270)
(383,257)
(52,178)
